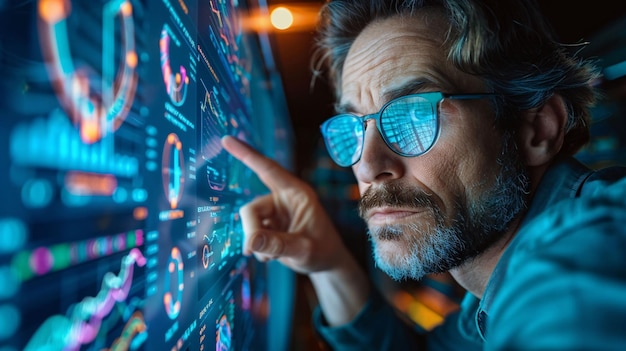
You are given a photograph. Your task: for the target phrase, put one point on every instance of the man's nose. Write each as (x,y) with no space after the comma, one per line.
(378,161)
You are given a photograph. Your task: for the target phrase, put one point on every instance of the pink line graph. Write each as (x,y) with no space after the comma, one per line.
(82,326)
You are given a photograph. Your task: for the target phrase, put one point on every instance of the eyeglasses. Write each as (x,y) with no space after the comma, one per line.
(409,125)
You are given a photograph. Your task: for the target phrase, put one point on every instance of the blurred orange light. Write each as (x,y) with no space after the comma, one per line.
(90,131)
(281,18)
(82,183)
(131,59)
(140,213)
(53,11)
(127,9)
(297,16)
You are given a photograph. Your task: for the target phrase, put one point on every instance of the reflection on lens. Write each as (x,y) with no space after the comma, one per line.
(409,125)
(344,139)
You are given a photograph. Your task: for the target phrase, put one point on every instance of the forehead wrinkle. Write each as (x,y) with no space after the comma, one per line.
(390,54)
(413,43)
(361,61)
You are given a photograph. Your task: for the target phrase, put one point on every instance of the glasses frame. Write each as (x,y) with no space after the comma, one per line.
(434,97)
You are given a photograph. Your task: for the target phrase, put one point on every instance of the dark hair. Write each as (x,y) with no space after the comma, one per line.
(508,43)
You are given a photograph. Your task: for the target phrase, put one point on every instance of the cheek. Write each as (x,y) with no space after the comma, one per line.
(451,169)
(470,144)
(467,173)
(436,173)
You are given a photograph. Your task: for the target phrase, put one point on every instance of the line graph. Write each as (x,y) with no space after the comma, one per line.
(85,318)
(226,33)
(214,126)
(133,335)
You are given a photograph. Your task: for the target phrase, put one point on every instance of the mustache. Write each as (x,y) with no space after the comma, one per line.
(394,195)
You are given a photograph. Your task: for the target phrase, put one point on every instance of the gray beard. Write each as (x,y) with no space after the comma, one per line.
(440,247)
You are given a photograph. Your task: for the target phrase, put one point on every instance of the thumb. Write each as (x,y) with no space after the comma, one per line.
(268,244)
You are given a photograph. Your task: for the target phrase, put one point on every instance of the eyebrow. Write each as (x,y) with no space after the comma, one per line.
(411,87)
(344,108)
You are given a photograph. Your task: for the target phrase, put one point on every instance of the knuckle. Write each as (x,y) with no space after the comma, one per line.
(275,246)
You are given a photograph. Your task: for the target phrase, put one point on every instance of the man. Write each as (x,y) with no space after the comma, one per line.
(459,119)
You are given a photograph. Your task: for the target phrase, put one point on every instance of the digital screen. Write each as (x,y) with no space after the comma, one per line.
(119,224)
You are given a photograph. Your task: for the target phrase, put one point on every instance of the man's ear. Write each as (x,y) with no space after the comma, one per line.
(542,132)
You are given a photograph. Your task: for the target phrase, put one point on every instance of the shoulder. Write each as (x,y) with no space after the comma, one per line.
(595,219)
(566,272)
(600,197)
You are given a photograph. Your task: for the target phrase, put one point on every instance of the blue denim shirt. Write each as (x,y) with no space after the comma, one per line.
(561,283)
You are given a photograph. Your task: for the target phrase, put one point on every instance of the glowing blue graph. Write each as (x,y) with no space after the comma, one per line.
(55,143)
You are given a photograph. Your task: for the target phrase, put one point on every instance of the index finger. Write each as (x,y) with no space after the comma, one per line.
(273,175)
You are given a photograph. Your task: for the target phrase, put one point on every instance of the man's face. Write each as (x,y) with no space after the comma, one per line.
(433,212)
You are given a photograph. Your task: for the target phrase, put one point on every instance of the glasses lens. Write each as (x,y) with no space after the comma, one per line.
(343,135)
(409,125)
